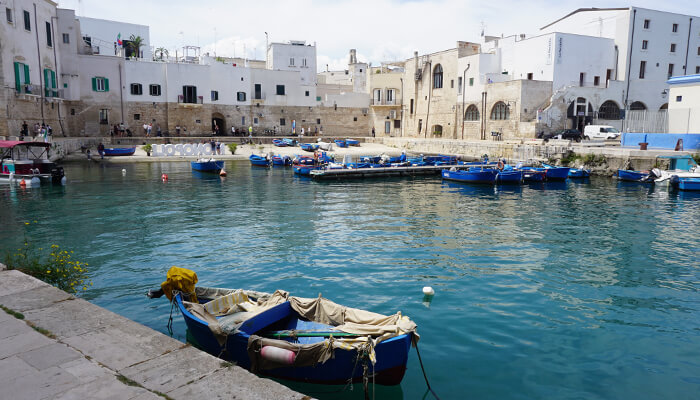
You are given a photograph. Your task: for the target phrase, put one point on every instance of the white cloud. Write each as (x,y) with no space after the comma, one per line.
(380,30)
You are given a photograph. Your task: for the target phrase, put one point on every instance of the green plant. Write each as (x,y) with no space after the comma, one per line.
(51,265)
(232,147)
(147,148)
(135,43)
(12,312)
(160,53)
(696,157)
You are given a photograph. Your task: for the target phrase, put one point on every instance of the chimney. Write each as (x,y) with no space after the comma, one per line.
(353,56)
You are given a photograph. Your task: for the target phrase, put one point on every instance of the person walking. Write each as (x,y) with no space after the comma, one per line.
(37,129)
(159,133)
(25,130)
(149,128)
(177,129)
(250,134)
(101,150)
(372,131)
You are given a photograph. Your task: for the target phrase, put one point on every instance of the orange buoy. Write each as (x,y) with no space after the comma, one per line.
(164,177)
(23,183)
(222,173)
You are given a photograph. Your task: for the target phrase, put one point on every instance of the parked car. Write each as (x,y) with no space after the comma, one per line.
(570,134)
(600,132)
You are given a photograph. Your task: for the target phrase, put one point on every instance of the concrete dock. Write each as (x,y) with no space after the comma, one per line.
(56,346)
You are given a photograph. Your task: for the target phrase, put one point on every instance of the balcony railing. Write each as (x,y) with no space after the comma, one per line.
(181,100)
(384,102)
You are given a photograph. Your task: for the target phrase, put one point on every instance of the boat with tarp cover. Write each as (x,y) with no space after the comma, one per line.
(276,334)
(22,160)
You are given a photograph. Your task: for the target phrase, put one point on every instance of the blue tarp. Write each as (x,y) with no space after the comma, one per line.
(691,141)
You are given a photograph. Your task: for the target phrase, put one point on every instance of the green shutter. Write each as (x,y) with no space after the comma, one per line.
(46,82)
(53,79)
(18,78)
(106,84)
(27,79)
(94,84)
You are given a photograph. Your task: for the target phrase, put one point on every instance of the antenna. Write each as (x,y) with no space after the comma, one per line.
(483,28)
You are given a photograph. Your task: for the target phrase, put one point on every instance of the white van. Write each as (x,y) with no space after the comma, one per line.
(600,132)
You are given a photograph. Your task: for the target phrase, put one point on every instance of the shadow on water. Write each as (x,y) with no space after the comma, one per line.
(346,392)
(467,189)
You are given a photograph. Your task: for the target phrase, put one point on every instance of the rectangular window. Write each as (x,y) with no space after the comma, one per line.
(50,83)
(389,96)
(411,108)
(647,23)
(581,78)
(642,69)
(673,47)
(699,51)
(214,95)
(8,15)
(49,38)
(670,70)
(283,122)
(318,98)
(452,83)
(22,81)
(608,76)
(397,124)
(318,121)
(189,94)
(255,121)
(674,28)
(66,38)
(104,116)
(306,93)
(596,81)
(303,63)
(420,125)
(240,96)
(697,69)
(645,44)
(154,90)
(136,89)
(242,120)
(679,98)
(280,90)
(459,84)
(529,76)
(137,117)
(291,61)
(471,81)
(387,126)
(258,92)
(100,84)
(27,21)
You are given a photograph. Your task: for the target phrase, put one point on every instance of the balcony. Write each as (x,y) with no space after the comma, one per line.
(189,102)
(384,102)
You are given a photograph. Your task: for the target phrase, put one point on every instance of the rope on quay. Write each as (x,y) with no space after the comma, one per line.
(415,343)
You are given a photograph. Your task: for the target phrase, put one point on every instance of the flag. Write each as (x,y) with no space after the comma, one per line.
(119,39)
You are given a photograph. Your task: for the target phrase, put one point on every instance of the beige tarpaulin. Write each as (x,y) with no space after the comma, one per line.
(238,306)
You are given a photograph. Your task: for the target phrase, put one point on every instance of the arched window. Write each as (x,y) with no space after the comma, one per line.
(437,77)
(500,111)
(637,106)
(472,113)
(664,106)
(609,110)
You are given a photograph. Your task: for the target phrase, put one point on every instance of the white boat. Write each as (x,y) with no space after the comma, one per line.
(28,162)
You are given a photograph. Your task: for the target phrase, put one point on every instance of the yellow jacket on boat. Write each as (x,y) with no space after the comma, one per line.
(182,280)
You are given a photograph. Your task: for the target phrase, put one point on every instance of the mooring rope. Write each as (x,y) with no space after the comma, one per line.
(423,369)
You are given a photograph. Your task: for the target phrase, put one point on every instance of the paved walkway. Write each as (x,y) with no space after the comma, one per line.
(67,348)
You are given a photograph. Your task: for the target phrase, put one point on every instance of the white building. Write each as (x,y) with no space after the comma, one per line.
(684,104)
(293,56)
(102,34)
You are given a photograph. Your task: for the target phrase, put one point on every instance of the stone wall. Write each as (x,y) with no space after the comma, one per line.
(18,108)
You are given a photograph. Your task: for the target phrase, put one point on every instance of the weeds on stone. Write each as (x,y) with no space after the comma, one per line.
(51,265)
(43,331)
(14,313)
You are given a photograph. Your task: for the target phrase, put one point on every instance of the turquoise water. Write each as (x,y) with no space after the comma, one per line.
(559,291)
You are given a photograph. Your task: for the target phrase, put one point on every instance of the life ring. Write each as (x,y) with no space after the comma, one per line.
(500,165)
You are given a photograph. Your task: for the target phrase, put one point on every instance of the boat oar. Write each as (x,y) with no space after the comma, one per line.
(293,334)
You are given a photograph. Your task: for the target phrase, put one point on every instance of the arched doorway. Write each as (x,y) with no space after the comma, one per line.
(218,121)
(580,112)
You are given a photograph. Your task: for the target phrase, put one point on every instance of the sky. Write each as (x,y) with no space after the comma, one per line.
(380,30)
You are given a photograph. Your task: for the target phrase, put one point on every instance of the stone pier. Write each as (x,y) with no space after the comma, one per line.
(56,346)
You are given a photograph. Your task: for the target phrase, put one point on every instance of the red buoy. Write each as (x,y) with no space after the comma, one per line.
(222,173)
(164,177)
(22,183)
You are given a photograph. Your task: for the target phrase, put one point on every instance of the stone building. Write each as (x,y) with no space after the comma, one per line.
(386,89)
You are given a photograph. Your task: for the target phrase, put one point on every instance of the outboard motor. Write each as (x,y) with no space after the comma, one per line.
(57,174)
(653,175)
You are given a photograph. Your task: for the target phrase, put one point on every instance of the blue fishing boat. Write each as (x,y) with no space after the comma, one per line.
(556,173)
(533,176)
(573,172)
(311,340)
(259,161)
(120,151)
(632,176)
(279,143)
(440,160)
(290,142)
(370,159)
(510,177)
(340,143)
(309,147)
(686,183)
(476,175)
(207,165)
(352,142)
(303,165)
(281,160)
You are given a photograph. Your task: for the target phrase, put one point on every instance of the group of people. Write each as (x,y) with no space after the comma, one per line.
(148,129)
(120,130)
(43,131)
(215,147)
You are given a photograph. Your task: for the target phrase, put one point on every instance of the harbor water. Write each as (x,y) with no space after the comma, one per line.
(575,290)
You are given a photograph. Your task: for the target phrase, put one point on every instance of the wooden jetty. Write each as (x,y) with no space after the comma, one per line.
(361,173)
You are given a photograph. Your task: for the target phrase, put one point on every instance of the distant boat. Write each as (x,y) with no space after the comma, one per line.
(120,151)
(632,176)
(471,176)
(309,147)
(352,142)
(279,143)
(20,160)
(260,161)
(281,160)
(573,172)
(289,142)
(533,176)
(303,165)
(341,143)
(207,165)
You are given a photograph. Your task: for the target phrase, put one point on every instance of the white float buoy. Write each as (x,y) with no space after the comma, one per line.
(428,291)
(63,181)
(123,171)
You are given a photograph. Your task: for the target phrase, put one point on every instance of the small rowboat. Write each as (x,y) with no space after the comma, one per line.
(310,340)
(279,143)
(309,147)
(510,177)
(686,183)
(487,176)
(533,176)
(281,160)
(120,151)
(352,142)
(259,161)
(341,143)
(207,165)
(573,172)
(632,176)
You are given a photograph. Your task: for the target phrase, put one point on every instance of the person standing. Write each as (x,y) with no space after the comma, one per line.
(250,134)
(159,133)
(37,129)
(25,130)
(372,131)
(101,150)
(213,146)
(149,128)
(177,129)
(218,147)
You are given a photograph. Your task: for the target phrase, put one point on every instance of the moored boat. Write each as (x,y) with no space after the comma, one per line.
(510,177)
(475,175)
(279,143)
(632,176)
(119,151)
(207,165)
(281,160)
(259,160)
(686,182)
(352,142)
(28,162)
(341,143)
(573,172)
(308,147)
(287,337)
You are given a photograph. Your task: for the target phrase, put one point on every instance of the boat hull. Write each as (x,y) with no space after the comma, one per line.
(259,161)
(207,166)
(392,354)
(685,183)
(116,152)
(510,177)
(487,176)
(631,176)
